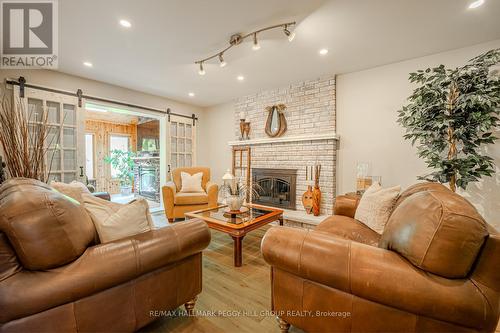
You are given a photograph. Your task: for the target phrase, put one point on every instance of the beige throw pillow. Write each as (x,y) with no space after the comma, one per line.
(115,221)
(74,189)
(191,183)
(376,206)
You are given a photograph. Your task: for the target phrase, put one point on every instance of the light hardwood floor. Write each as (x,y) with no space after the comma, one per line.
(228,288)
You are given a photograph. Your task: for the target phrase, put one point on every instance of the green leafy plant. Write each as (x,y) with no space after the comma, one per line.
(451,116)
(122,161)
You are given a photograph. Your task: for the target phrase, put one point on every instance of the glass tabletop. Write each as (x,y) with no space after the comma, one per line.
(222,214)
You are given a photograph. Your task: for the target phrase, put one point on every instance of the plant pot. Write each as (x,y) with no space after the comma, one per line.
(126,190)
(234,202)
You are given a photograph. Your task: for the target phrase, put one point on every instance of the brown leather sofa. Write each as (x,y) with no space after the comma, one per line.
(55,277)
(436,268)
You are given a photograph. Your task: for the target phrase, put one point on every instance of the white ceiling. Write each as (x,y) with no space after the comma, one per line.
(156,54)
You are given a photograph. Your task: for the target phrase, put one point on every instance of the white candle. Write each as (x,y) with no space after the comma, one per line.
(242,115)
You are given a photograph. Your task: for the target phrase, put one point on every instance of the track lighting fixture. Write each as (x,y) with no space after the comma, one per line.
(256,45)
(222,62)
(288,33)
(237,39)
(202,70)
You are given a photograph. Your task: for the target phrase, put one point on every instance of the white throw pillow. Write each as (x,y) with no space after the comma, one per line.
(115,221)
(375,206)
(191,183)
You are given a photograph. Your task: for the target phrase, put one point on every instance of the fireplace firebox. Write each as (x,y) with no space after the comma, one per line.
(277,187)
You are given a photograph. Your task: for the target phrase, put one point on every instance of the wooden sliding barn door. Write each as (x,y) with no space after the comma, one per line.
(65,140)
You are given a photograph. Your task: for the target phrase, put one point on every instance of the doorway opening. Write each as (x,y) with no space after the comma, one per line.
(125,153)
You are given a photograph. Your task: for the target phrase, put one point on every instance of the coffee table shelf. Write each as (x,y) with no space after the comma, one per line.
(237,227)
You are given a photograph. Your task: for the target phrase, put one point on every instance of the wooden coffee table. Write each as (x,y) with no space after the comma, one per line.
(237,226)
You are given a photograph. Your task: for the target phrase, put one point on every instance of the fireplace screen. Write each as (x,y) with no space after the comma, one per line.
(278,187)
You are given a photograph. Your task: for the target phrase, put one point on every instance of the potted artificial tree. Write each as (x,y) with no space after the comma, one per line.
(451,116)
(122,162)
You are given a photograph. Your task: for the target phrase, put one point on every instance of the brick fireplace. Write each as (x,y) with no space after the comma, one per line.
(310,137)
(277,187)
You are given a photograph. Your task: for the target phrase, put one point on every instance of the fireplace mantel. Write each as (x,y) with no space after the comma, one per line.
(291,138)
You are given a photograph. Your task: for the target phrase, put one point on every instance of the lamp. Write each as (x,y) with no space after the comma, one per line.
(256,45)
(237,39)
(222,62)
(202,70)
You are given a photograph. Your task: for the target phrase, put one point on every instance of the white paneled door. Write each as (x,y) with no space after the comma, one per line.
(182,142)
(65,140)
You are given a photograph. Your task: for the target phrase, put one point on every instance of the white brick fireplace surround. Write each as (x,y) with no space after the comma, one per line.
(310,138)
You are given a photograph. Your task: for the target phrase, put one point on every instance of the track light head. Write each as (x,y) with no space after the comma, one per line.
(201,71)
(255,45)
(288,33)
(222,62)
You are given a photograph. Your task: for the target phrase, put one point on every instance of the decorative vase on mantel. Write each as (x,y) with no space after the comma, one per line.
(307,199)
(316,195)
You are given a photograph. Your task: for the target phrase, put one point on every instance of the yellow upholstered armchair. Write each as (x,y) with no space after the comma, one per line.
(177,203)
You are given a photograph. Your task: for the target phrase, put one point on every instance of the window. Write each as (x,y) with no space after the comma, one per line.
(118,142)
(89,155)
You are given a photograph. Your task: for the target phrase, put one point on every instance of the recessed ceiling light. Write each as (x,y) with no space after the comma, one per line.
(323,51)
(476,4)
(191,94)
(88,64)
(125,23)
(240,77)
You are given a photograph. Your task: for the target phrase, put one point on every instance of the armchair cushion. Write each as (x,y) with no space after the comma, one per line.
(438,231)
(191,183)
(195,198)
(176,176)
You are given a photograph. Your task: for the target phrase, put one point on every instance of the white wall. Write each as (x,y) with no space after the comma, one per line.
(68,82)
(218,131)
(367,104)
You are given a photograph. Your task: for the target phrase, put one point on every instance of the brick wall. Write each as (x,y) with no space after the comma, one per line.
(310,110)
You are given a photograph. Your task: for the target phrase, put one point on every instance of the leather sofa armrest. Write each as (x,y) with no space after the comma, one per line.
(169,191)
(213,193)
(375,274)
(101,267)
(346,205)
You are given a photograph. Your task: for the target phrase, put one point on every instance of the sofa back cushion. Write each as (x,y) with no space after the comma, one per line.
(176,176)
(419,187)
(45,228)
(436,230)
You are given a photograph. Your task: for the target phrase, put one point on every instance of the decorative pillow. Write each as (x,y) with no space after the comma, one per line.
(191,183)
(74,189)
(115,221)
(376,205)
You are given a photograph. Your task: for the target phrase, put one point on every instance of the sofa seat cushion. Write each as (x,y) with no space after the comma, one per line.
(349,228)
(194,198)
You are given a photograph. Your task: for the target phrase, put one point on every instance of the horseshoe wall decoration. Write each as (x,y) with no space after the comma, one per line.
(276,122)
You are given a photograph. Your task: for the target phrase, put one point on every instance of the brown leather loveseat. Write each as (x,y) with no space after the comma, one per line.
(435,268)
(54,276)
